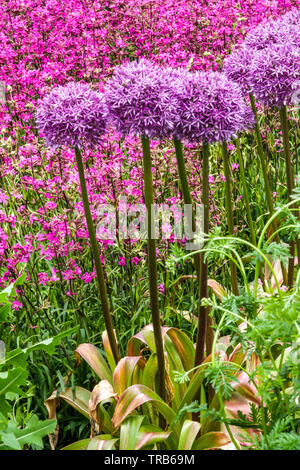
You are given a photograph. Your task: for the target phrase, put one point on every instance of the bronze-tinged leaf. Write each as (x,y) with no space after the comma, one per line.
(108,350)
(238,355)
(211,440)
(148,436)
(136,396)
(102,392)
(51,404)
(94,358)
(125,371)
(217,289)
(170,389)
(80,401)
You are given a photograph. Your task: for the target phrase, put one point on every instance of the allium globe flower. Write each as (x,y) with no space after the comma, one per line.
(273,74)
(280,31)
(236,67)
(292,17)
(210,108)
(140,100)
(72,115)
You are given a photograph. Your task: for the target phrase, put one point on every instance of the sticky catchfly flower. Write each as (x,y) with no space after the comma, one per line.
(140,101)
(72,115)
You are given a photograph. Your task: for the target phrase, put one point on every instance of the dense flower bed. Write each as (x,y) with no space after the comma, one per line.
(43,44)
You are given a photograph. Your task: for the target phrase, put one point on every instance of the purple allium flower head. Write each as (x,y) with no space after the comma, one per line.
(273,74)
(72,115)
(211,108)
(292,17)
(236,67)
(140,100)
(280,31)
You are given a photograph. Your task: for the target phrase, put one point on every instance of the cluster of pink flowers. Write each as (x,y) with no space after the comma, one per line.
(44,44)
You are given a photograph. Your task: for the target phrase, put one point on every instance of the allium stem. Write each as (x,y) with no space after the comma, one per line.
(247,199)
(229,212)
(262,158)
(148,190)
(96,256)
(187,198)
(290,185)
(245,192)
(265,176)
(203,310)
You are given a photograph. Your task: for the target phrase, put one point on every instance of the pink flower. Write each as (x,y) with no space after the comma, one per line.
(161,288)
(122,261)
(235,166)
(16,305)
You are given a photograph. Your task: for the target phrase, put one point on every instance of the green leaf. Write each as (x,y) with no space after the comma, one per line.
(188,434)
(18,356)
(33,433)
(129,432)
(11,380)
(4,311)
(102,442)
(79,445)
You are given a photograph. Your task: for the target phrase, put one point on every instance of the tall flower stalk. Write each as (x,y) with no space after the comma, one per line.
(75,116)
(229,212)
(187,198)
(97,258)
(245,192)
(152,266)
(139,101)
(290,186)
(204,334)
(274,71)
(210,108)
(263,162)
(203,309)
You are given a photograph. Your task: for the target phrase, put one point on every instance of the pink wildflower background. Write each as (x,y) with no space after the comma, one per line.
(47,43)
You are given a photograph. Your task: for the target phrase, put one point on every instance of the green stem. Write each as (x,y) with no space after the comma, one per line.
(148,190)
(203,310)
(290,185)
(262,157)
(97,259)
(198,258)
(245,192)
(187,198)
(229,212)
(263,164)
